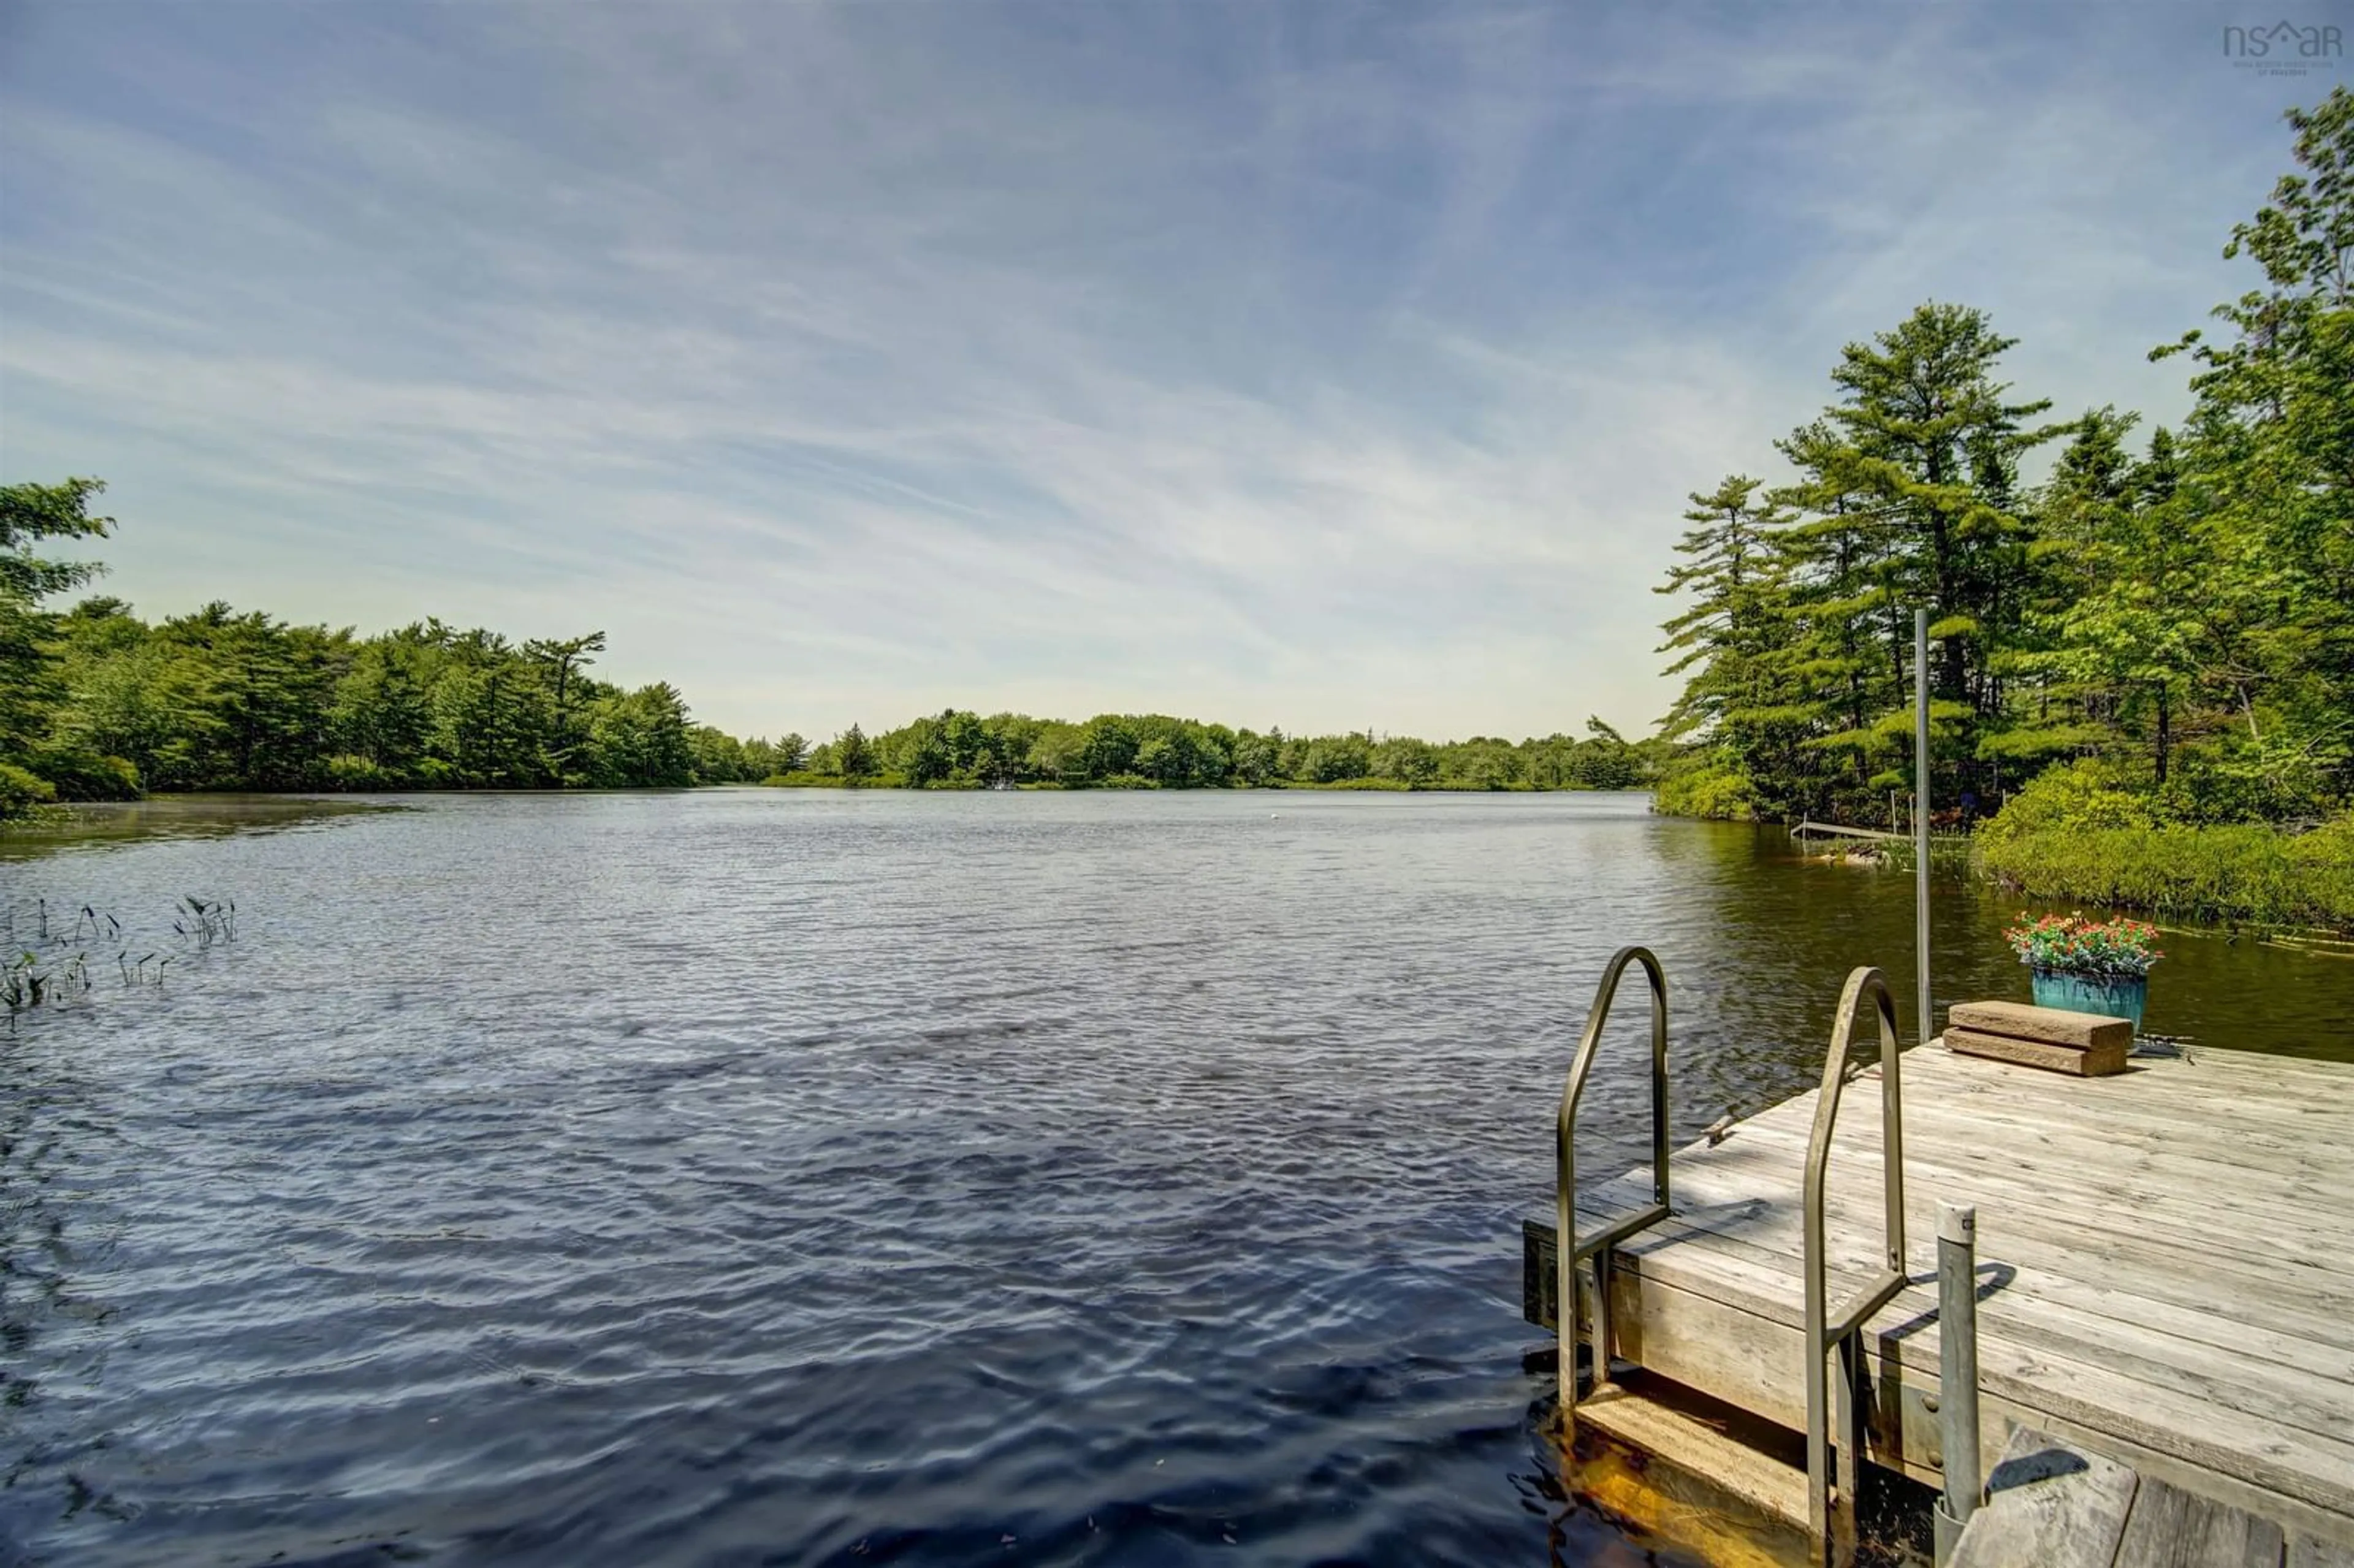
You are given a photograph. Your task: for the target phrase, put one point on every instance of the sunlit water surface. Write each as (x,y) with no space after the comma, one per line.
(792,1177)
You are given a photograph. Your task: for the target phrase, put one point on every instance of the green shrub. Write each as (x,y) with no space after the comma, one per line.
(80,774)
(348,772)
(804,779)
(21,791)
(2323,864)
(1709,788)
(2082,795)
(2239,872)
(2077,834)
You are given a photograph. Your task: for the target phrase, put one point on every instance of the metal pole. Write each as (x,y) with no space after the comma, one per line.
(1921,815)
(1958,1373)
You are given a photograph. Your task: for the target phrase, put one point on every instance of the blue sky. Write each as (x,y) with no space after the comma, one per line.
(1322,364)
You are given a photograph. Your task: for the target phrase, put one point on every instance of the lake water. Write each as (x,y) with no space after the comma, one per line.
(754,1176)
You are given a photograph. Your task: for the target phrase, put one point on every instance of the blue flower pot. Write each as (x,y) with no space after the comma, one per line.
(2117,996)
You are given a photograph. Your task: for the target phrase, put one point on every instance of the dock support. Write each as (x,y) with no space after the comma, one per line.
(1925,1027)
(1958,1373)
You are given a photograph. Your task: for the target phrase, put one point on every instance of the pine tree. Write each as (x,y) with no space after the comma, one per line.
(1732,572)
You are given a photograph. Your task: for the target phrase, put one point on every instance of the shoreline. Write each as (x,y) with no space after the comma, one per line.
(1126,785)
(2251,877)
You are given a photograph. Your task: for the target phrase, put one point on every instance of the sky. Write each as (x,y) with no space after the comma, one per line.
(1324,364)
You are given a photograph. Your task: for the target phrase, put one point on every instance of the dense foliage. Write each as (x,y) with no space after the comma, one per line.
(2074,835)
(2178,614)
(31,516)
(96,703)
(959,749)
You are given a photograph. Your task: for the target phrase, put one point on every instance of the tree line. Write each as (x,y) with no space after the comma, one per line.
(963,749)
(97,704)
(2169,614)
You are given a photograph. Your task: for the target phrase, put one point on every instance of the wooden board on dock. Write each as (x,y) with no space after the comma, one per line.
(2052,1025)
(2083,1061)
(2167,1258)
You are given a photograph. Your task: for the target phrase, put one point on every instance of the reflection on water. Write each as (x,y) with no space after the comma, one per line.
(101,823)
(779,1176)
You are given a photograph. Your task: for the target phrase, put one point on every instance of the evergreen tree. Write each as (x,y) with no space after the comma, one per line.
(31,688)
(853,757)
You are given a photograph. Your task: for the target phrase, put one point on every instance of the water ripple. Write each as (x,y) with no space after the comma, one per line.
(764,1177)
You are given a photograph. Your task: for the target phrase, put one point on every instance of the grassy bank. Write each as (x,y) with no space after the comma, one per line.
(2079,834)
(2082,835)
(2245,871)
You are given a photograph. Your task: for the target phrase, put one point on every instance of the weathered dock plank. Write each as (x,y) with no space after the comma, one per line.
(1736,1335)
(2258,1237)
(2049,1506)
(2170,1528)
(2108,1250)
(2055,1505)
(2311,1551)
(1775,1490)
(2166,1259)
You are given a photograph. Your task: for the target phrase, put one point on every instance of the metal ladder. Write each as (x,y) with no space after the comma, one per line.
(1569,1251)
(1835,1408)
(1832,1523)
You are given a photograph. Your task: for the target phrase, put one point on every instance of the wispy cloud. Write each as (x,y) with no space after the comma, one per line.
(1320,365)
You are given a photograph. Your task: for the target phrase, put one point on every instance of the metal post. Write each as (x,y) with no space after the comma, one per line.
(1958,1373)
(1921,816)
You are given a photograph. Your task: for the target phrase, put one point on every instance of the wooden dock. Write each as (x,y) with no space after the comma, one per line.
(2166,1258)
(1810,829)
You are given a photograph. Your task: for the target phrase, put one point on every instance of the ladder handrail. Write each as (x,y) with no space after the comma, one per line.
(1845,1334)
(1568,1251)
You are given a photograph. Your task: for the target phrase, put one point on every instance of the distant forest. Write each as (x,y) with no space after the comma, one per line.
(97,704)
(964,750)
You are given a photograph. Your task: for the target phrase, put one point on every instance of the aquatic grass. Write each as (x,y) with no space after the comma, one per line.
(206,922)
(134,971)
(30,980)
(100,925)
(53,965)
